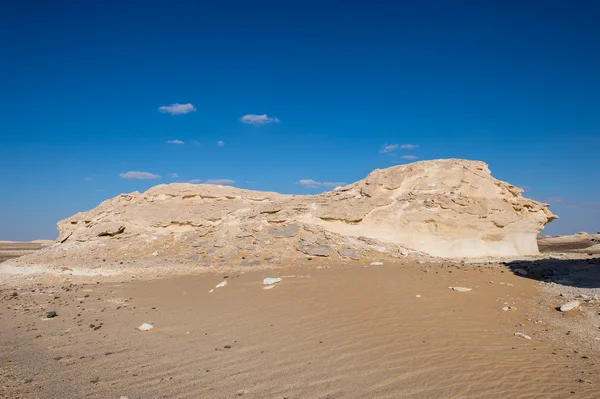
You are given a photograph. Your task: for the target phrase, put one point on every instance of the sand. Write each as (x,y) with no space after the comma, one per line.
(345,331)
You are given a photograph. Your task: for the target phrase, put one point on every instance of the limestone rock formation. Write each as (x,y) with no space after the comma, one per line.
(445,208)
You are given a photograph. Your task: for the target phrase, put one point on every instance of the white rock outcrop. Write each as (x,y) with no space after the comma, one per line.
(445,208)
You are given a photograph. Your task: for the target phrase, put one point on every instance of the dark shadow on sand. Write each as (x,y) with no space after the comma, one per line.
(580,273)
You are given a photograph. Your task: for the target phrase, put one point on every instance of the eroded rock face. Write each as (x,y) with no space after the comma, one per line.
(446,208)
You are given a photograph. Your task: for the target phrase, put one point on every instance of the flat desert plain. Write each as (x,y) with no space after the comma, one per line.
(351,330)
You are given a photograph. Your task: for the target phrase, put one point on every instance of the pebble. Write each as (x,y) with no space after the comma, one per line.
(271,280)
(155,253)
(376,263)
(221,284)
(50,315)
(521,335)
(145,327)
(460,289)
(506,308)
(569,306)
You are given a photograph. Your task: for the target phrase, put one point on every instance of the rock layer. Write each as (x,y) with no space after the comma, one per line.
(445,208)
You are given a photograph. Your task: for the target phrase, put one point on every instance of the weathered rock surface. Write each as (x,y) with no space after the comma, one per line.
(445,208)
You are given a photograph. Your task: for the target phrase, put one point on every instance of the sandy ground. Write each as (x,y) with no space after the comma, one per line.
(10,249)
(341,331)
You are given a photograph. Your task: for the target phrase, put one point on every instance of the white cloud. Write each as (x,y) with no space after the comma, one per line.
(253,119)
(174,175)
(220,181)
(409,146)
(134,175)
(386,148)
(195,181)
(310,183)
(177,109)
(220,143)
(409,157)
(175,142)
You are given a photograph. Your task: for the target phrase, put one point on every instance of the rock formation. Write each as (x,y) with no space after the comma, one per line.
(444,208)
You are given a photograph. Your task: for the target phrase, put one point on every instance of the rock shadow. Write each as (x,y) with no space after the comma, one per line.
(580,273)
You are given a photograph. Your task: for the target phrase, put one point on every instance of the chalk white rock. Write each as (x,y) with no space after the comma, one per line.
(506,308)
(521,335)
(269,287)
(155,253)
(145,327)
(376,263)
(221,284)
(271,280)
(569,306)
(211,290)
(460,289)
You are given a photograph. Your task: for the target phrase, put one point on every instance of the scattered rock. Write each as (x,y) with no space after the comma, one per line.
(349,253)
(376,263)
(521,335)
(316,250)
(155,253)
(569,306)
(221,284)
(460,289)
(271,280)
(50,315)
(145,327)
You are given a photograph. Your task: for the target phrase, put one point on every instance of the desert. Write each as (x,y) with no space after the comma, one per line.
(425,280)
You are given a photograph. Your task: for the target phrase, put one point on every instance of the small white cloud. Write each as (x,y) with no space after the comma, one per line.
(175,142)
(177,109)
(195,142)
(409,157)
(387,148)
(135,175)
(220,143)
(220,181)
(253,119)
(310,183)
(195,181)
(174,175)
(409,146)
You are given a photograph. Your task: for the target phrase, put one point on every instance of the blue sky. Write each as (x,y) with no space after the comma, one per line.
(324,87)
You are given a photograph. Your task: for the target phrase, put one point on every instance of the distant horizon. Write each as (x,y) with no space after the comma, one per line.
(543,232)
(113,97)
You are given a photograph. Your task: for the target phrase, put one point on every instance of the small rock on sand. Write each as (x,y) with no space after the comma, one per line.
(269,287)
(271,280)
(221,284)
(155,253)
(569,306)
(145,327)
(521,335)
(50,315)
(460,289)
(376,263)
